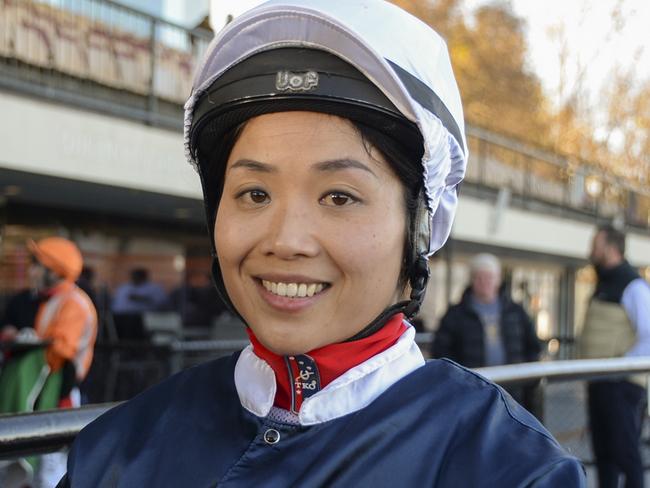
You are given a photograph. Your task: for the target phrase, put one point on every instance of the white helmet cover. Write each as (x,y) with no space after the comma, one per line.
(401,55)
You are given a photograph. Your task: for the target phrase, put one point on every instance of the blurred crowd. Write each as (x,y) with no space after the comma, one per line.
(121,314)
(64,313)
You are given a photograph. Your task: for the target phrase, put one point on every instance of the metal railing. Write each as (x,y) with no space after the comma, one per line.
(49,431)
(575,369)
(43,432)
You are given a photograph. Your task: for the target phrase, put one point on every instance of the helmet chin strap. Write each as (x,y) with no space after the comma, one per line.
(417,280)
(418,274)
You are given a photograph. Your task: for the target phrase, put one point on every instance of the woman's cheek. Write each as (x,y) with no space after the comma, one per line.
(232,232)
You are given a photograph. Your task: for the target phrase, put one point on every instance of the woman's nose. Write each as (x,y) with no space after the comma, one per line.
(291,232)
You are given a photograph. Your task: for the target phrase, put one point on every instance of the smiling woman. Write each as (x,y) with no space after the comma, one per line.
(314,210)
(330,152)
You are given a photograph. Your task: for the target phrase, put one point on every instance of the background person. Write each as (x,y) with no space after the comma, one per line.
(67,318)
(67,321)
(22,307)
(486,328)
(617,324)
(196,300)
(131,300)
(138,295)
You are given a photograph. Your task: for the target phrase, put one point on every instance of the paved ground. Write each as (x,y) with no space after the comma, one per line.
(565,416)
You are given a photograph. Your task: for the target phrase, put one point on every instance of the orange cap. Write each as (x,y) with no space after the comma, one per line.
(58,255)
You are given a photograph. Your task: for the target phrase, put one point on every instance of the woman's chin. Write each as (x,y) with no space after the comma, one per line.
(288,343)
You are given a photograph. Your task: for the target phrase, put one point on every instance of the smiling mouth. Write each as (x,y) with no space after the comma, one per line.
(294,290)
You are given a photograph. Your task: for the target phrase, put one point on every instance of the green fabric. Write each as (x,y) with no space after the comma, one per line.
(25,378)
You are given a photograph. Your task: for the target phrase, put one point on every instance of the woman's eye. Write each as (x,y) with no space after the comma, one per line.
(254,196)
(338,199)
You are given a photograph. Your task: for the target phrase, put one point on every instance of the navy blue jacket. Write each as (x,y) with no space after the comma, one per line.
(441,425)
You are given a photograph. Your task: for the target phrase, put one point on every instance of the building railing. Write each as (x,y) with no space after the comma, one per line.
(100,55)
(532,174)
(42,432)
(103,56)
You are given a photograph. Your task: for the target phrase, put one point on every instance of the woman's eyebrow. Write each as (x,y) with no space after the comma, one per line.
(254,166)
(339,164)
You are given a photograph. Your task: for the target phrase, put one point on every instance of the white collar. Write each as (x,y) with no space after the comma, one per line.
(352,391)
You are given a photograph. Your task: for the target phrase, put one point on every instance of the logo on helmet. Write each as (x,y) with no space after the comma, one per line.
(296,82)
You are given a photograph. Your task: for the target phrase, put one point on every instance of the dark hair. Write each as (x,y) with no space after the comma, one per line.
(139,275)
(217,157)
(405,162)
(613,237)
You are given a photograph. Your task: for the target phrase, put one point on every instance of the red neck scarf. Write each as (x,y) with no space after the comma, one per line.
(299,377)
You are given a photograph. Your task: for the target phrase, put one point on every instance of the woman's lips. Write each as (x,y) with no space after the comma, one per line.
(290,303)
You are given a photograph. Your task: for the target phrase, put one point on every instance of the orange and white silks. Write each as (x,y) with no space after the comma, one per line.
(69,319)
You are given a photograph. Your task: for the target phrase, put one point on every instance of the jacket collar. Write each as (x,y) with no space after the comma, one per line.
(301,376)
(353,390)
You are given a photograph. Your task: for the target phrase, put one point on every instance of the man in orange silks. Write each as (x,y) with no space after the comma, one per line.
(66,323)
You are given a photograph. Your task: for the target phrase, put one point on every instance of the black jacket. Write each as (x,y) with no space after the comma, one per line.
(460,334)
(22,309)
(613,281)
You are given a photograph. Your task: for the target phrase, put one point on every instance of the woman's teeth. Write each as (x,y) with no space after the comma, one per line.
(293,290)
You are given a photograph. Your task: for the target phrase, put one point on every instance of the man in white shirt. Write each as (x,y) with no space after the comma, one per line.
(617,324)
